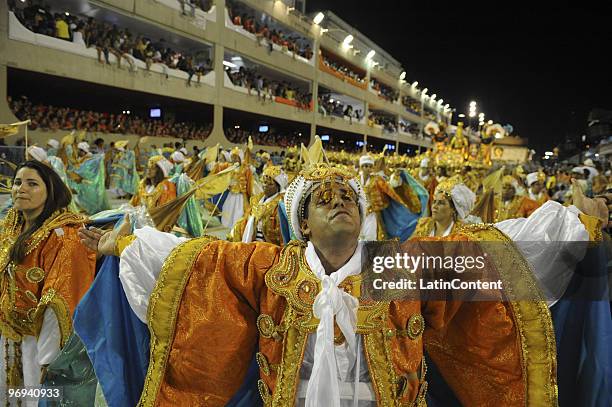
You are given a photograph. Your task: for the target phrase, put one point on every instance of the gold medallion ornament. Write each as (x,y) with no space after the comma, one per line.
(416,326)
(266,325)
(35,275)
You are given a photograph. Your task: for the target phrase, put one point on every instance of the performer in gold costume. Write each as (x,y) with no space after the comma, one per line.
(240,191)
(218,303)
(379,193)
(537,189)
(156,189)
(493,207)
(262,223)
(44,272)
(452,204)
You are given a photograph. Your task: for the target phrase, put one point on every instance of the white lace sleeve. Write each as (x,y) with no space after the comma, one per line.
(140,265)
(553,240)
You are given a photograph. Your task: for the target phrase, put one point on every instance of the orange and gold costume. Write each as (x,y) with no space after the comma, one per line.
(242,183)
(518,207)
(217,303)
(379,192)
(267,214)
(163,192)
(427,225)
(56,272)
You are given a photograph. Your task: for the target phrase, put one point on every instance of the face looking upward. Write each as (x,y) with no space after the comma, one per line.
(333,213)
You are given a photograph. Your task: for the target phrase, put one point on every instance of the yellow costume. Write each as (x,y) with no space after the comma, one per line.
(153,196)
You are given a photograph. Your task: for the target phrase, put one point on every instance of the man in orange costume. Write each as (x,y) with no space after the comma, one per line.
(299,311)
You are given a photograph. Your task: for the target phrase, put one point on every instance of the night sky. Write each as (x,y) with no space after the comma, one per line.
(541,69)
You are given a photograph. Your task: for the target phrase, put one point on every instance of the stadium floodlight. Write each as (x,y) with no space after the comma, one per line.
(424,91)
(370,54)
(433,97)
(415,84)
(318,18)
(403,75)
(461,115)
(490,122)
(472,103)
(347,40)
(448,107)
(548,153)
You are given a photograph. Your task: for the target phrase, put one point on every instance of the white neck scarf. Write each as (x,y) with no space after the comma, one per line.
(323,387)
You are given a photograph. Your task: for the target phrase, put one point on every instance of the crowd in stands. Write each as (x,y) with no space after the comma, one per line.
(271,138)
(334,107)
(430,116)
(411,104)
(264,87)
(385,92)
(343,69)
(188,7)
(337,144)
(242,16)
(388,122)
(411,128)
(109,39)
(54,118)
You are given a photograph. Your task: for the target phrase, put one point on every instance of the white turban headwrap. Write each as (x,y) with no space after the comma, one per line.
(37,153)
(53,143)
(83,146)
(366,159)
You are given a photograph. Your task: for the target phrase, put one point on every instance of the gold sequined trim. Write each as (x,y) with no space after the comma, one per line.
(163,309)
(262,362)
(264,392)
(31,296)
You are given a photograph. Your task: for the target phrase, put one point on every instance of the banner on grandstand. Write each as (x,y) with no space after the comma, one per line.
(509,153)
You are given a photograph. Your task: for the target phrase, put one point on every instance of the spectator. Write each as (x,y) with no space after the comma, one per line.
(46,117)
(61,28)
(78,36)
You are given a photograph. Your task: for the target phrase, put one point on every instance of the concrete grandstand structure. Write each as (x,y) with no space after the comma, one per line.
(376,85)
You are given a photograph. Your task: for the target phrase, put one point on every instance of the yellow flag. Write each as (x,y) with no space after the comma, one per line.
(305,155)
(214,183)
(8,130)
(493,180)
(315,152)
(211,154)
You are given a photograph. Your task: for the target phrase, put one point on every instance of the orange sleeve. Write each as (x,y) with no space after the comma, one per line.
(477,350)
(203,318)
(492,352)
(168,193)
(528,206)
(69,271)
